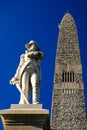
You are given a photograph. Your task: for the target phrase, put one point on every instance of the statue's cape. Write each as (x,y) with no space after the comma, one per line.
(26,66)
(23,69)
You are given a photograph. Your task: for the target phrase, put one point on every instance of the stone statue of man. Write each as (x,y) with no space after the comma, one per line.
(28,74)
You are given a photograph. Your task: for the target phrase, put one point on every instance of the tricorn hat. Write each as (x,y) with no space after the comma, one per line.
(32,42)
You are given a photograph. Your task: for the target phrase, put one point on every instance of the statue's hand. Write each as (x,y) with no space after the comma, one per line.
(14,80)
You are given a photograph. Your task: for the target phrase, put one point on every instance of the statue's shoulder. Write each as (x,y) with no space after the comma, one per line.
(22,56)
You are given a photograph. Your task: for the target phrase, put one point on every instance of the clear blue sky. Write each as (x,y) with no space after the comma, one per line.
(24,20)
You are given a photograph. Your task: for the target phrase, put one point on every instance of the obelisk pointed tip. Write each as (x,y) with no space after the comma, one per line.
(66,19)
(68,38)
(67,16)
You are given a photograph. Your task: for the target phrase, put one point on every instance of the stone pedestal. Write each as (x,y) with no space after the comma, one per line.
(25,117)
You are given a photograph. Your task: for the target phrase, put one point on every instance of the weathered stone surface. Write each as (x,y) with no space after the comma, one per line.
(68,49)
(69,110)
(27,106)
(68,105)
(25,118)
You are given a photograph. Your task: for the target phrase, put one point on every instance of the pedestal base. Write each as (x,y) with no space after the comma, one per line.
(25,117)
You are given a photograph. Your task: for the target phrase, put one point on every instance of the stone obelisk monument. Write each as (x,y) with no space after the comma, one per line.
(68,105)
(25,116)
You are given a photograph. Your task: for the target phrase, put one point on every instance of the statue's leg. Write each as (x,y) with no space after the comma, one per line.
(25,87)
(35,88)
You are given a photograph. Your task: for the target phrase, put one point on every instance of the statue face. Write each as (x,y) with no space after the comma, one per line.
(33,47)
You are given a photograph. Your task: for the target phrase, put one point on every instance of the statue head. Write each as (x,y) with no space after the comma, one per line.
(32,46)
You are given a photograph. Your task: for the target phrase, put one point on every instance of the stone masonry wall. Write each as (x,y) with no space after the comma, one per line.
(69,112)
(68,48)
(68,104)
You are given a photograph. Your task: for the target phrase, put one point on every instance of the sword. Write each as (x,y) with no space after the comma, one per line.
(17,85)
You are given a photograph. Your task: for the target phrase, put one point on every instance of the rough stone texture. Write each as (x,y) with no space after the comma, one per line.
(69,110)
(68,105)
(68,50)
(25,117)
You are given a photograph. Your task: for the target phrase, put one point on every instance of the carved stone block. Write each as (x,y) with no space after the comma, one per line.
(25,117)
